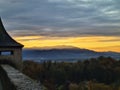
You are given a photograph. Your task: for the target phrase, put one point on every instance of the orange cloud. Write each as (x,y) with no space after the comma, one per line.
(97,43)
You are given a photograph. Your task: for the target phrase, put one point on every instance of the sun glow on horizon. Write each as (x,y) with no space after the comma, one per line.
(97,43)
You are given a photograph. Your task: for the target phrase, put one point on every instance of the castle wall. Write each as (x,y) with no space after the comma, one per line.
(21,81)
(15,57)
(5,82)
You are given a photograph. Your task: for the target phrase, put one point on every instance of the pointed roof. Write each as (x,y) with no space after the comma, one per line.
(5,39)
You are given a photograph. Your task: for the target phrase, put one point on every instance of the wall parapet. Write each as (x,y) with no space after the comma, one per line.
(21,81)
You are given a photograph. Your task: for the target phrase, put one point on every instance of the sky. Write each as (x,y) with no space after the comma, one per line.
(90,24)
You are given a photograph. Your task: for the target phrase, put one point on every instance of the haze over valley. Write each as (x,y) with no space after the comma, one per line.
(64,53)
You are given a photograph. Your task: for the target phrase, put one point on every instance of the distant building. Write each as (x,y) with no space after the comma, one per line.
(10,50)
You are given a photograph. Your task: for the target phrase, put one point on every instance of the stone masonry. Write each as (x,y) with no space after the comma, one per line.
(21,81)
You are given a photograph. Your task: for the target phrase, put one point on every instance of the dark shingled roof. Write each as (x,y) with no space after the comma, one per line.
(5,39)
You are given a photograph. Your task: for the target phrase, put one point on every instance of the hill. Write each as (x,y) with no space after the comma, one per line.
(65,54)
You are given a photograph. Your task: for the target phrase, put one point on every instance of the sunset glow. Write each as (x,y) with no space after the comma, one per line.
(97,43)
(89,24)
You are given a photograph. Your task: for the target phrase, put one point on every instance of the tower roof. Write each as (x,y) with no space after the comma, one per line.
(5,39)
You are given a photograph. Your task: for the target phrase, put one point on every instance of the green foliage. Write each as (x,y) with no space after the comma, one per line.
(73,76)
(73,87)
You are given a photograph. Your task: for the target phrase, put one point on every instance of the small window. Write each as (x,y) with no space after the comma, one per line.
(6,53)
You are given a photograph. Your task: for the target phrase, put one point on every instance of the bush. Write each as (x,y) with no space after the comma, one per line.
(53,75)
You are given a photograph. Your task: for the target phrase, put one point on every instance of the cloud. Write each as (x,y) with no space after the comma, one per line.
(62,18)
(112,40)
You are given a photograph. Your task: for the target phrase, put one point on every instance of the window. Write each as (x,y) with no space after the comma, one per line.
(6,53)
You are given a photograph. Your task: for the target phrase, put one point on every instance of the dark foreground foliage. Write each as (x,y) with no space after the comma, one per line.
(102,73)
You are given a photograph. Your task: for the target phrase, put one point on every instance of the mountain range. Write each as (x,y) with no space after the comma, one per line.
(65,54)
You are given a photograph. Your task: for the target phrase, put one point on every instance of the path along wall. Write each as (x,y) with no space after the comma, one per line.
(5,83)
(19,80)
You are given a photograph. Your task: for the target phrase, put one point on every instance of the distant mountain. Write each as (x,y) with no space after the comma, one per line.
(58,47)
(65,54)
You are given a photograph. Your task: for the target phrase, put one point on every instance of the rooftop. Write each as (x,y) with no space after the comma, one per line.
(5,39)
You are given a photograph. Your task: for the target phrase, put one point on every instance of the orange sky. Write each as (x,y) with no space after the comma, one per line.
(97,43)
(95,24)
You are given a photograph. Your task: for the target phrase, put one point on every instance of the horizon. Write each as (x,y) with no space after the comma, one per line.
(88,24)
(83,44)
(63,47)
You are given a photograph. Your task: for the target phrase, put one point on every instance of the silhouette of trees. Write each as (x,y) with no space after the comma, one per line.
(102,72)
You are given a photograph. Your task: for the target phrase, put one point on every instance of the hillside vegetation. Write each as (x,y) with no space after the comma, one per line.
(102,73)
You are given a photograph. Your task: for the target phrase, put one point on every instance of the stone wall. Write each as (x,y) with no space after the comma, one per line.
(21,81)
(5,83)
(16,58)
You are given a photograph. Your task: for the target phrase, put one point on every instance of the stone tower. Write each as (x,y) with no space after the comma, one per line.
(10,50)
